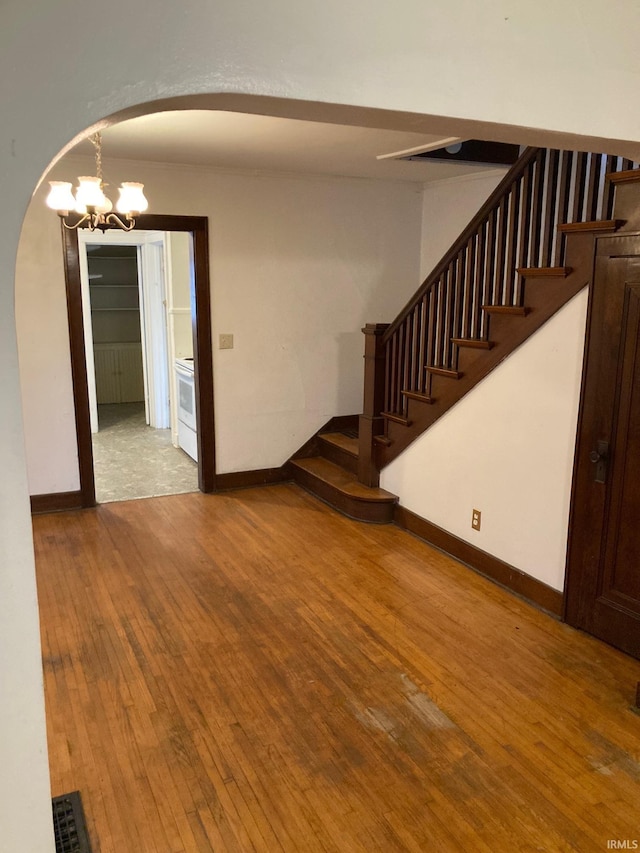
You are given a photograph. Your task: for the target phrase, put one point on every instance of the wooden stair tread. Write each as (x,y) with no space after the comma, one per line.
(396,418)
(348,443)
(597,225)
(473,343)
(382,440)
(512,310)
(443,371)
(544,272)
(342,480)
(416,395)
(626,177)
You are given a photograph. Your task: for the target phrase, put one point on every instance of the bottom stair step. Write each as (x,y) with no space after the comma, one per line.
(341,490)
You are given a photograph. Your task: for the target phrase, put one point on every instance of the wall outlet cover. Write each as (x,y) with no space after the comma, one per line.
(225,342)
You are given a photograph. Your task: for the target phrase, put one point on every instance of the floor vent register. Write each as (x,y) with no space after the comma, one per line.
(68,824)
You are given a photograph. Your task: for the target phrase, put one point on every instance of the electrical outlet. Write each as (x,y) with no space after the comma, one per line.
(225,342)
(476,517)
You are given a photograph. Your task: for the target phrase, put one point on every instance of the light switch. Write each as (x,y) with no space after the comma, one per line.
(225,342)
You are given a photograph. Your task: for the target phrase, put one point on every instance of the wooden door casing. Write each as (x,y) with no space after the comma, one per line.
(202,343)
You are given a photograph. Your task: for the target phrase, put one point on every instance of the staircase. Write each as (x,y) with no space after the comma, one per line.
(526,253)
(523,256)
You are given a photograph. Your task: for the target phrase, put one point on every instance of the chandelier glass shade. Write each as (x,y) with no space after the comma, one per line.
(90,205)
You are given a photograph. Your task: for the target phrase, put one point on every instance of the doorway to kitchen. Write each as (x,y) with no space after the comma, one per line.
(139,313)
(136,291)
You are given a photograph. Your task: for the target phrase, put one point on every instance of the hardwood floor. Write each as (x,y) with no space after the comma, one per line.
(253,672)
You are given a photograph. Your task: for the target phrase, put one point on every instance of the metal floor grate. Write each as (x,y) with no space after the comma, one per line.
(68,824)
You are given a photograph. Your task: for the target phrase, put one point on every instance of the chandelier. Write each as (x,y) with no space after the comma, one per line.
(90,202)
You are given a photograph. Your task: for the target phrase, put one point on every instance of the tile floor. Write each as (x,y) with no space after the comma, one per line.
(132,460)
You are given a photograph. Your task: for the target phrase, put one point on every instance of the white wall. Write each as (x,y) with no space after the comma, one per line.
(329,59)
(447,208)
(41,314)
(298,266)
(506,449)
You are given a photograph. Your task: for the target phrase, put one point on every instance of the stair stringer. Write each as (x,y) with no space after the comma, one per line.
(543,297)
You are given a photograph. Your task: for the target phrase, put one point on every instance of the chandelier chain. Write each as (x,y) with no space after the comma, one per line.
(96,139)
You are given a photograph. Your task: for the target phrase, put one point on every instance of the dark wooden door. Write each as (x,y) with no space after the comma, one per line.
(603,584)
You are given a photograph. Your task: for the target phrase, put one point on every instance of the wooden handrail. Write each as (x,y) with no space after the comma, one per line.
(513,175)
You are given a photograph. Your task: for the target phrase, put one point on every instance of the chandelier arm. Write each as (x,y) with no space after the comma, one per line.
(94,221)
(114,219)
(77,225)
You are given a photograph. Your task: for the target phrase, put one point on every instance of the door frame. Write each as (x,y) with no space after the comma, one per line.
(198,227)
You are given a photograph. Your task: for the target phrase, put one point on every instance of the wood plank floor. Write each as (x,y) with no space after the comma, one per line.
(253,672)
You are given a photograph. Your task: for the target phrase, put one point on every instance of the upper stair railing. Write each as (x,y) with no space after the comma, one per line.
(515,229)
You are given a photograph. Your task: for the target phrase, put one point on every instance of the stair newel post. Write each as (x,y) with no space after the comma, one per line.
(371,421)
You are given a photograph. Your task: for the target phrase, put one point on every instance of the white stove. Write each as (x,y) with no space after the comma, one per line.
(186,396)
